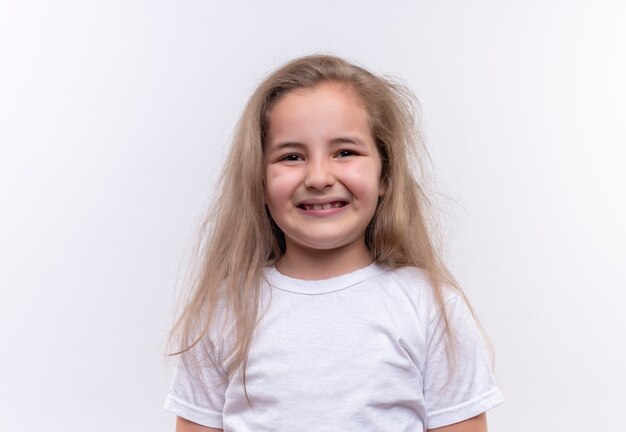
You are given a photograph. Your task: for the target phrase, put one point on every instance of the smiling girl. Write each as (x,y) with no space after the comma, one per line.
(320,301)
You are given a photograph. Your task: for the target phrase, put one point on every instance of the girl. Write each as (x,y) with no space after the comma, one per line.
(320,301)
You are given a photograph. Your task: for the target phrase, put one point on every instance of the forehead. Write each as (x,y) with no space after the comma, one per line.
(329,108)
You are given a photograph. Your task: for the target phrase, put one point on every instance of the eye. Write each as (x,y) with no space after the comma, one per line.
(345,153)
(291,157)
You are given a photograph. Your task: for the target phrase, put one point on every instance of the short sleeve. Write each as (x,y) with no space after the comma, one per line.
(197,395)
(462,387)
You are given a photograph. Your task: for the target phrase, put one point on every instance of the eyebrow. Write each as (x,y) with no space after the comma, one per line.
(288,144)
(334,141)
(347,140)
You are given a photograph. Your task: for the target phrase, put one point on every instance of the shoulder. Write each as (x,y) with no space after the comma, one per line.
(415,285)
(417,281)
(414,278)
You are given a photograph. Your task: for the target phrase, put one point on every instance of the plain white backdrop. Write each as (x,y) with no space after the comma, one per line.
(114,117)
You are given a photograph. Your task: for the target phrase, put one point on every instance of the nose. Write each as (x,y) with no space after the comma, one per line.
(319,174)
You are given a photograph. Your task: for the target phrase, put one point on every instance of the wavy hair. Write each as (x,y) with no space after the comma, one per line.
(238,239)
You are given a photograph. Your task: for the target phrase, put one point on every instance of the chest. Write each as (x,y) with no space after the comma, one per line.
(338,346)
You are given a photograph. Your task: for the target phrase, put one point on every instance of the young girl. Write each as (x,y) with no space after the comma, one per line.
(320,302)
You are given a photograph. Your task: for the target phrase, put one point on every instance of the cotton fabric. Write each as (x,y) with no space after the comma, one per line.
(362,351)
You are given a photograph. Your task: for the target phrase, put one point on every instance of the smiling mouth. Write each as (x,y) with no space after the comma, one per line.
(326,206)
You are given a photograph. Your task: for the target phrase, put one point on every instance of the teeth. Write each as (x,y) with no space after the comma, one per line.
(320,206)
(334,204)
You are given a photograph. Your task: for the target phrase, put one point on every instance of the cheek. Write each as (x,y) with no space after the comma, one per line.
(279,184)
(364,180)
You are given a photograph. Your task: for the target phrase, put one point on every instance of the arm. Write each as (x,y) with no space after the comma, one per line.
(184,425)
(456,395)
(475,424)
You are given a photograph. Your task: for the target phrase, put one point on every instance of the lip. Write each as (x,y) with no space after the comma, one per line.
(322,200)
(305,206)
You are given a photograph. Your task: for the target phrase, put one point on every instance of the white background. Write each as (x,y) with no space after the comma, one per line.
(114,117)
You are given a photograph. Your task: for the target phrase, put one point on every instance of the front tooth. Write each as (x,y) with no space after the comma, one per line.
(326,206)
(318,206)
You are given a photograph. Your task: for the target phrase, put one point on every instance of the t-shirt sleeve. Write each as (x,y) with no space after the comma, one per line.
(197,395)
(463,386)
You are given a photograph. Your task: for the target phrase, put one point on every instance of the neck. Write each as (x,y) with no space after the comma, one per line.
(315,264)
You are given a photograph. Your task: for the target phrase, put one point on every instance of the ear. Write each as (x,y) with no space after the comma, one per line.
(264,194)
(382,188)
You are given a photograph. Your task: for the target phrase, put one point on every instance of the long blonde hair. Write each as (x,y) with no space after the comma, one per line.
(238,240)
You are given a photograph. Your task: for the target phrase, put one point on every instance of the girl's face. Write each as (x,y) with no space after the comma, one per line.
(322,170)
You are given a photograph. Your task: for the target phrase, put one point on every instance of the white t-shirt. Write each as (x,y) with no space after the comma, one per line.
(362,351)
